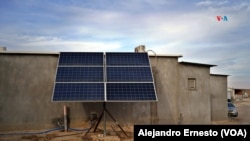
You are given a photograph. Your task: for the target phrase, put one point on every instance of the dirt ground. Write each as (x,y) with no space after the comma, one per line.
(243,106)
(114,133)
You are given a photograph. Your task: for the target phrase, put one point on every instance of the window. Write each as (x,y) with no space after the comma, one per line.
(191,83)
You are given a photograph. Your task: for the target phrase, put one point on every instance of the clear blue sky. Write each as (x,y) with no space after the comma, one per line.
(189,28)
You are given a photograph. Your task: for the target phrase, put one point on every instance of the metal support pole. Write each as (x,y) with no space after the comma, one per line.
(115,121)
(65,118)
(104,119)
(98,121)
(104,114)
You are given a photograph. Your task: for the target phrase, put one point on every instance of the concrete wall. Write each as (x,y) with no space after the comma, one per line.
(194,105)
(218,91)
(26,86)
(27,80)
(166,80)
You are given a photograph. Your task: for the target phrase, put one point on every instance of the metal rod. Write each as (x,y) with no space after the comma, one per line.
(104,119)
(115,121)
(98,121)
(65,118)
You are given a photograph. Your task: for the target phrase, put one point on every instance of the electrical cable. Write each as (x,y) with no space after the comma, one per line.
(43,132)
(75,129)
(31,133)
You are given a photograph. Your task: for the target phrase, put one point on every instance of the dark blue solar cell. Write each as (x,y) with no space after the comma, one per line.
(127,59)
(78,92)
(129,74)
(79,74)
(80,58)
(130,92)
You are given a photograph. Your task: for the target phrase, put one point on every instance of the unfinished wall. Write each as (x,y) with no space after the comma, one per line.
(218,84)
(194,105)
(27,80)
(166,80)
(26,86)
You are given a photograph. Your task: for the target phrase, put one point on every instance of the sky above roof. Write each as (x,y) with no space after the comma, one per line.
(202,31)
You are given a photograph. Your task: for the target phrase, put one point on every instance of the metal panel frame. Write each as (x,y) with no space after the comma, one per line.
(126,65)
(105,66)
(58,65)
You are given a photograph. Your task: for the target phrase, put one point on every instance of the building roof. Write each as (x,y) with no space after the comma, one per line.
(150,55)
(219,75)
(165,55)
(196,64)
(28,52)
(40,52)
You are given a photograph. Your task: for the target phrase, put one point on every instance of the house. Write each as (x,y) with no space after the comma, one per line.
(187,94)
(238,93)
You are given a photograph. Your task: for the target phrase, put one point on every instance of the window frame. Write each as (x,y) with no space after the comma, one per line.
(192,83)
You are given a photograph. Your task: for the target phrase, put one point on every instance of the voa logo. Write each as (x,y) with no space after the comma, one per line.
(222,18)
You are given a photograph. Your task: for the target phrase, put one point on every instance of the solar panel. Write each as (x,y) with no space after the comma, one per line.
(81,58)
(127,59)
(129,77)
(129,74)
(79,92)
(86,77)
(79,74)
(79,77)
(130,92)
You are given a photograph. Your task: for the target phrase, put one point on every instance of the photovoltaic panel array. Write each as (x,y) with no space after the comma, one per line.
(79,77)
(129,77)
(110,77)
